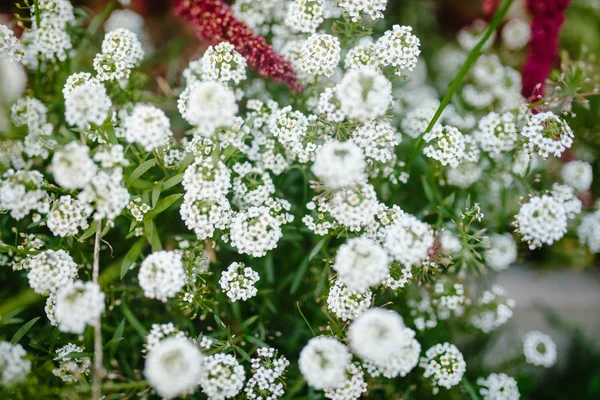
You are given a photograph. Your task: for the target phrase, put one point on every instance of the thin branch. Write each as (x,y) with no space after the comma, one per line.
(98,368)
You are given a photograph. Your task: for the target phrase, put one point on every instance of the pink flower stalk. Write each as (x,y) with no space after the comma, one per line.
(215,22)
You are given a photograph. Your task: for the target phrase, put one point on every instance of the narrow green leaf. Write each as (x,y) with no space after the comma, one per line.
(187,160)
(132,255)
(140,170)
(118,336)
(169,183)
(23,330)
(469,388)
(88,232)
(220,322)
(135,323)
(78,355)
(304,265)
(156,193)
(163,205)
(242,351)
(155,243)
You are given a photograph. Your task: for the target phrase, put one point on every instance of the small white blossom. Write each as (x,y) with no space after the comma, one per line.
(589,231)
(543,220)
(106,195)
(323,362)
(147,126)
(222,376)
(539,349)
(49,271)
(547,134)
(208,105)
(339,164)
(497,133)
(347,304)
(162,275)
(223,63)
(160,332)
(377,140)
(566,195)
(305,15)
(78,304)
(238,282)
(578,175)
(268,374)
(408,240)
(446,144)
(398,48)
(14,365)
(354,208)
(9,44)
(205,180)
(354,8)
(353,387)
(21,193)
(516,34)
(361,263)
(320,54)
(502,252)
(255,231)
(364,94)
(72,166)
(444,365)
(87,104)
(492,310)
(71,369)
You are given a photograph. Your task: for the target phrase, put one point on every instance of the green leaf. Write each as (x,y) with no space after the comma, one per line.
(88,232)
(243,353)
(304,265)
(169,183)
(135,323)
(220,323)
(140,170)
(156,193)
(132,255)
(23,330)
(117,337)
(469,388)
(163,205)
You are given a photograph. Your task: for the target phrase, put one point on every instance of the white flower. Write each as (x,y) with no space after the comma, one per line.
(123,45)
(361,263)
(398,48)
(72,166)
(160,332)
(471,35)
(205,180)
(347,304)
(323,362)
(162,275)
(78,304)
(464,175)
(364,94)
(498,387)
(502,252)
(20,192)
(288,126)
(268,374)
(578,175)
(516,34)
(238,282)
(9,44)
(33,114)
(14,365)
(111,156)
(354,8)
(305,15)
(447,145)
(208,105)
(205,215)
(252,187)
(57,13)
(50,270)
(353,387)
(320,54)
(543,220)
(416,121)
(547,134)
(399,276)
(173,367)
(539,349)
(361,56)
(77,79)
(107,195)
(354,207)
(408,240)
(148,126)
(444,365)
(377,140)
(87,104)
(497,133)
(50,43)
(492,310)
(566,195)
(255,231)
(339,164)
(223,63)
(589,231)
(221,377)
(71,369)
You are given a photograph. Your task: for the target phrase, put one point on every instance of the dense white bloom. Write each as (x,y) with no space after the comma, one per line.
(448,300)
(71,369)
(497,133)
(162,275)
(50,270)
(416,121)
(222,376)
(238,282)
(323,362)
(361,263)
(77,79)
(205,180)
(502,252)
(288,126)
(320,54)
(173,367)
(78,304)
(354,8)
(450,242)
(398,48)
(268,372)
(408,240)
(347,304)
(252,187)
(377,140)
(49,42)
(447,145)
(223,63)
(14,82)
(566,196)
(33,114)
(547,133)
(353,387)
(578,175)
(543,220)
(255,231)
(364,94)
(14,365)
(444,365)
(493,309)
(361,56)
(589,231)
(21,193)
(399,276)
(106,194)
(516,34)
(111,156)
(305,15)
(72,166)
(123,45)
(160,332)
(355,207)
(208,105)
(9,44)
(539,349)
(56,13)
(339,164)
(87,104)
(148,126)
(205,215)
(498,387)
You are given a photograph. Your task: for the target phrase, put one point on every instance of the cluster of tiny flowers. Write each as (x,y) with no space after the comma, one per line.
(448,300)
(208,105)
(364,94)
(339,164)
(502,251)
(354,8)
(162,275)
(288,126)
(160,332)
(148,126)
(408,240)
(380,338)
(238,282)
(416,121)
(323,363)
(361,262)
(173,367)
(353,387)
(255,231)
(348,304)
(106,193)
(399,276)
(78,304)
(9,44)
(33,114)
(72,166)
(305,15)
(329,106)
(222,376)
(14,365)
(547,134)
(71,369)
(49,40)
(589,231)
(497,133)
(444,365)
(355,207)
(498,387)
(49,271)
(320,54)
(111,156)
(448,145)
(361,56)
(398,48)
(121,52)
(20,193)
(516,34)
(204,179)
(377,140)
(138,209)
(319,224)
(252,186)
(203,216)
(566,196)
(268,371)
(222,63)
(542,220)
(539,349)
(578,175)
(86,104)
(494,309)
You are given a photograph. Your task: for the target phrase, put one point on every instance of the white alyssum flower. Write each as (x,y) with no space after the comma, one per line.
(464,175)
(56,13)
(72,166)
(162,275)
(205,215)
(87,104)
(268,373)
(223,63)
(546,134)
(566,195)
(148,126)
(305,15)
(408,240)
(123,45)
(238,281)
(516,34)
(9,44)
(361,263)
(222,377)
(502,252)
(106,194)
(320,54)
(444,365)
(77,79)
(48,42)
(353,387)
(498,387)
(354,207)
(71,369)
(205,180)
(346,303)
(255,231)
(354,8)
(578,175)
(446,144)
(398,48)
(252,186)
(542,220)
(160,332)
(173,367)
(381,339)
(339,164)
(323,363)
(471,35)
(539,349)
(589,231)
(377,139)
(78,304)
(288,125)
(492,310)
(49,271)
(497,133)
(364,94)
(21,193)
(208,105)
(14,365)
(361,56)
(399,276)
(416,121)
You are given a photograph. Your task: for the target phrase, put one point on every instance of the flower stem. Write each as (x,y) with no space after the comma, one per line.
(98,368)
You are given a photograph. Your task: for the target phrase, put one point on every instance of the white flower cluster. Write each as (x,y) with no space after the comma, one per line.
(399,276)
(589,231)
(208,105)
(320,54)
(72,166)
(121,52)
(162,275)
(352,388)
(106,194)
(78,304)
(498,387)
(33,114)
(71,369)
(408,240)
(566,196)
(255,231)
(50,271)
(348,304)
(502,252)
(578,175)
(354,8)
(21,193)
(361,263)
(448,300)
(497,133)
(339,164)
(323,362)
(448,145)
(9,44)
(221,377)
(543,220)
(14,365)
(138,209)
(364,94)
(160,332)
(86,104)
(252,186)
(416,120)
(547,134)
(238,282)
(516,34)
(50,39)
(398,48)
(223,63)
(377,140)
(539,349)
(444,365)
(67,217)
(493,309)
(354,208)
(305,15)
(148,126)
(268,371)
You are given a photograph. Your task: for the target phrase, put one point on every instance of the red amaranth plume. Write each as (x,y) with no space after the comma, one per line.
(215,22)
(548,17)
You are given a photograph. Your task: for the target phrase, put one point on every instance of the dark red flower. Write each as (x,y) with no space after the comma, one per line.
(215,22)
